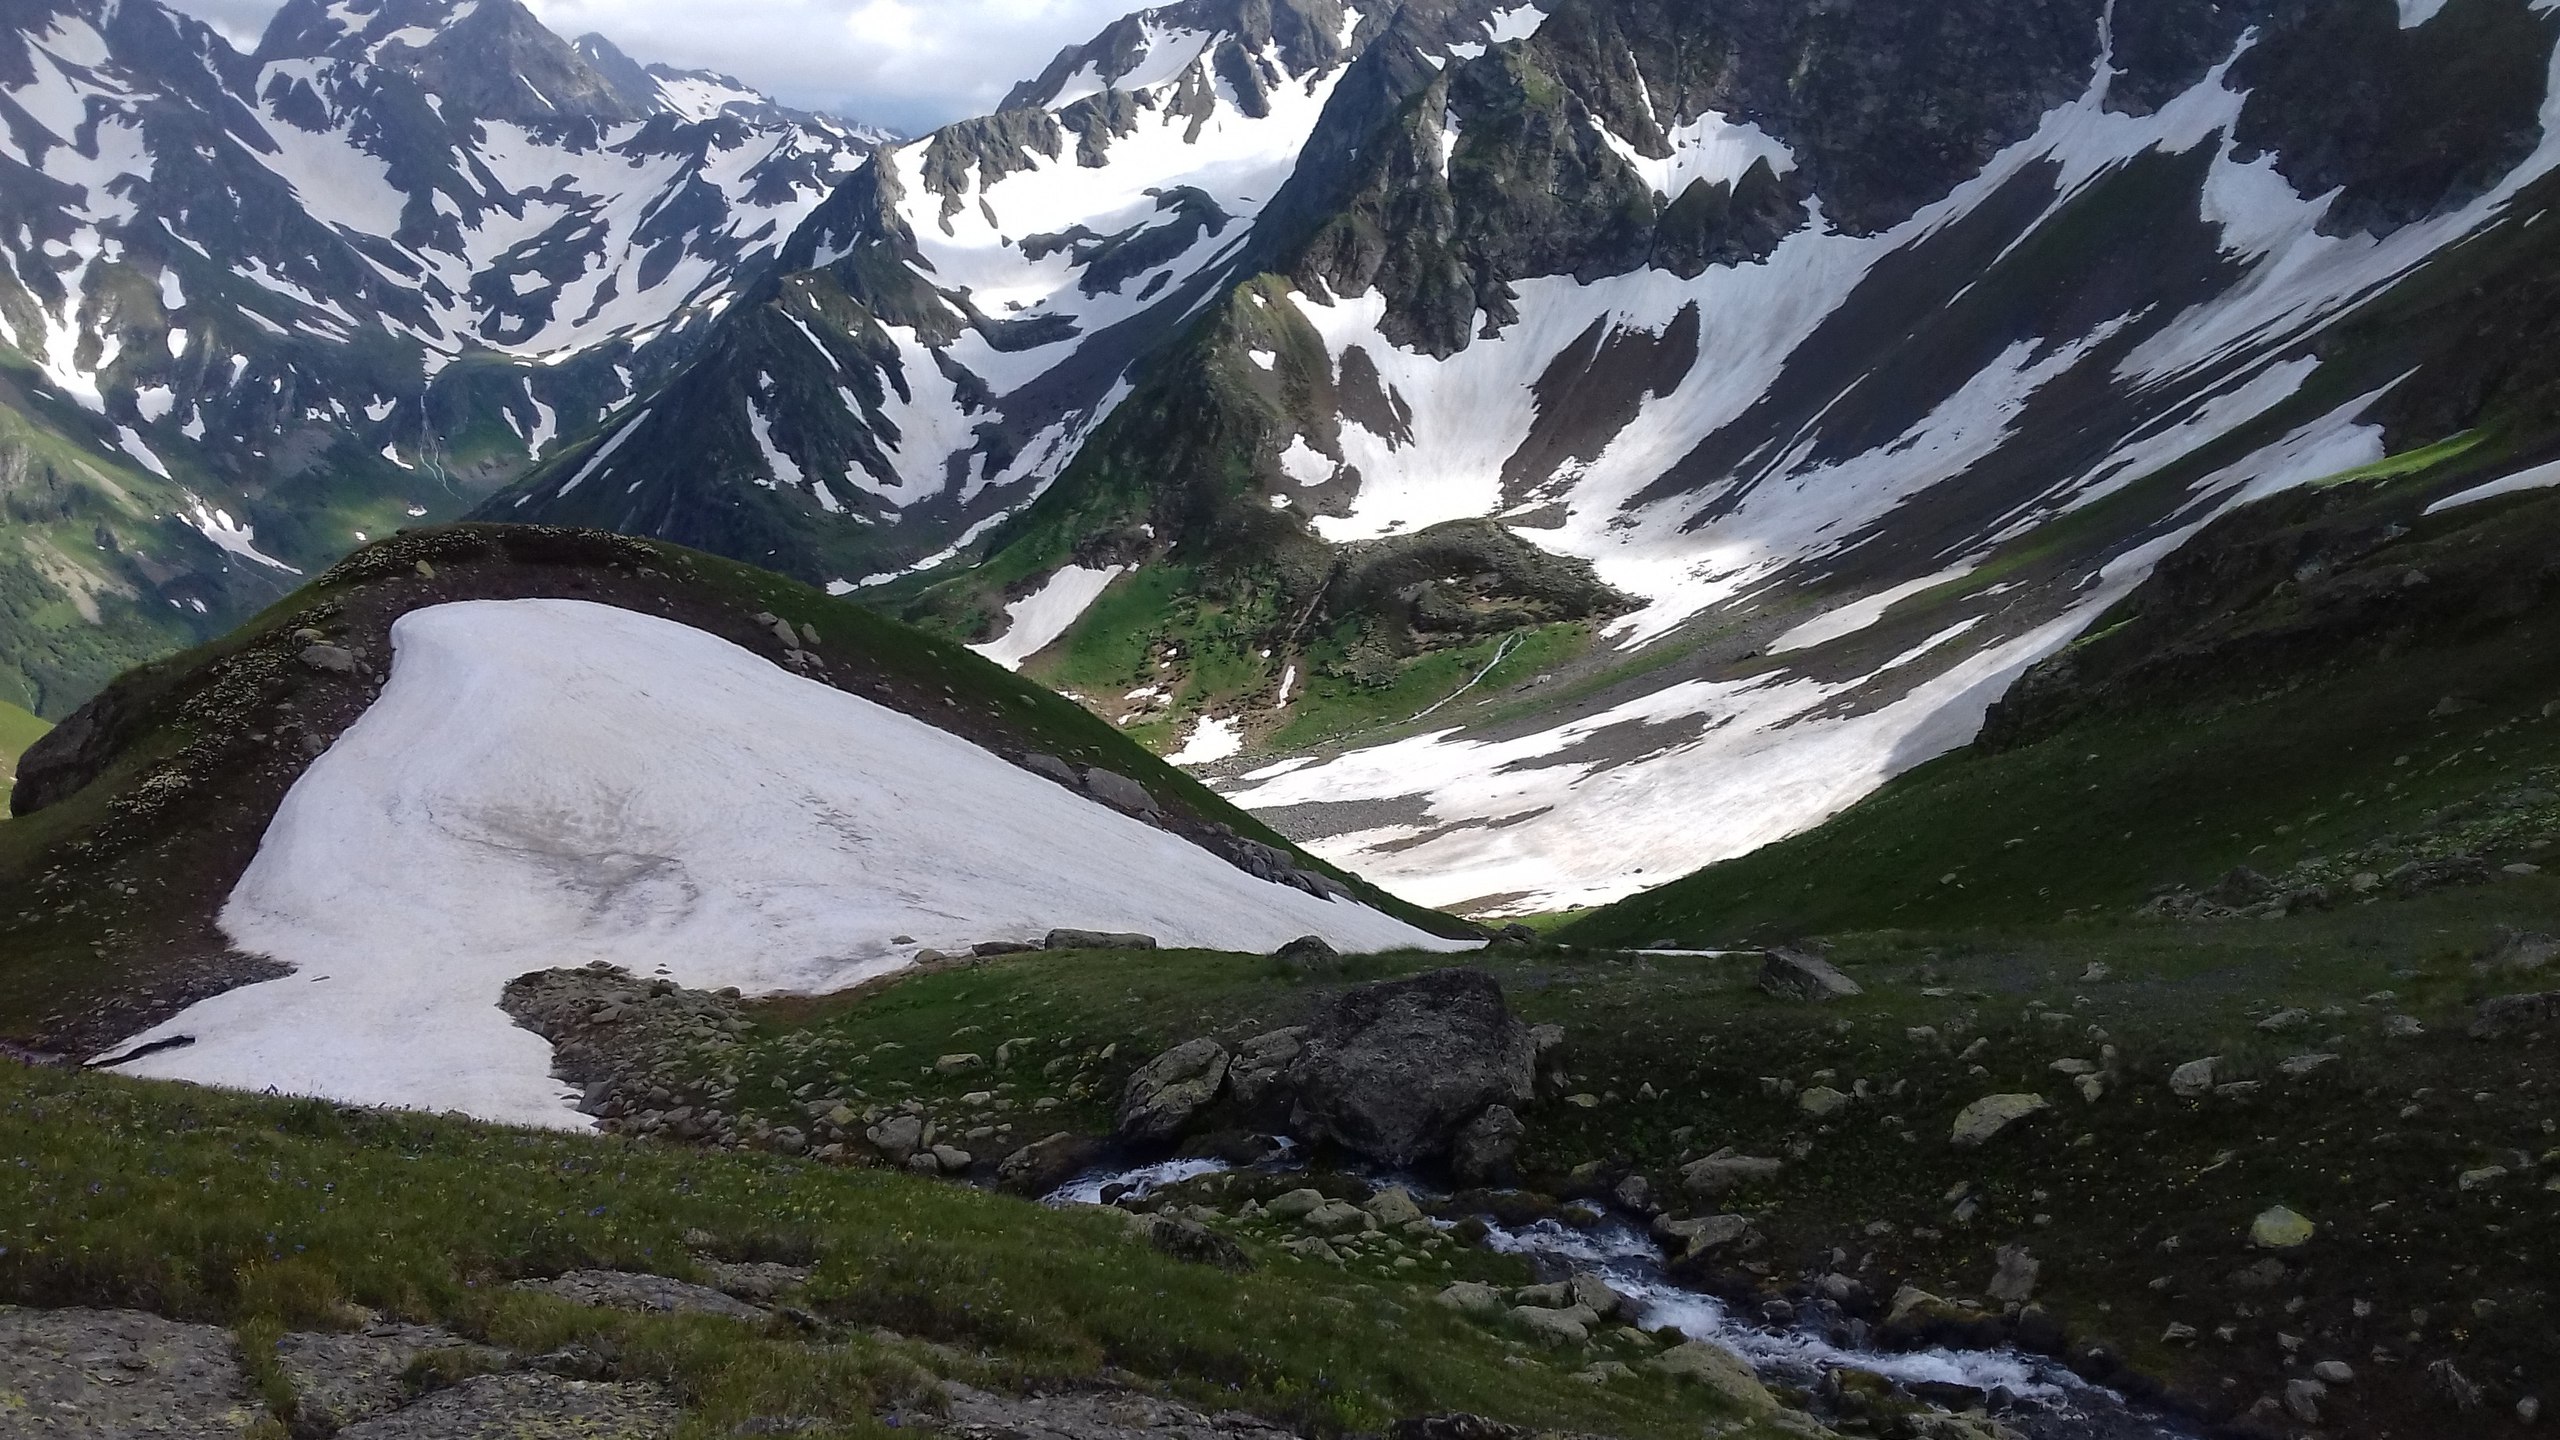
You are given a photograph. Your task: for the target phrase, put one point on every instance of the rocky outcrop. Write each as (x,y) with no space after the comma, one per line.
(1393,1071)
(1170,1091)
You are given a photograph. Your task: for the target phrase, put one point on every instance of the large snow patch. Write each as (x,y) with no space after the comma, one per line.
(551,782)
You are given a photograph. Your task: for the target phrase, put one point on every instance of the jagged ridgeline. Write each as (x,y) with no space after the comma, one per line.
(258,307)
(1742,393)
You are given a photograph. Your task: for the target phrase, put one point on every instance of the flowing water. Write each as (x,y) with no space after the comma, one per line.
(2042,1399)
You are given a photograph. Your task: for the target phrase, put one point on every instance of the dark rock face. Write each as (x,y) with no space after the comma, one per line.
(1393,1070)
(1487,1148)
(1165,1096)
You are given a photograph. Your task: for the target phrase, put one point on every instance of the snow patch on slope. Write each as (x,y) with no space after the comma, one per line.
(1039,618)
(612,786)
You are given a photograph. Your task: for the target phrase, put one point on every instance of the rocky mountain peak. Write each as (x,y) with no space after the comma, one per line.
(491,58)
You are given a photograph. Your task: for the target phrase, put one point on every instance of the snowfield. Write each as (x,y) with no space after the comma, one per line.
(546,783)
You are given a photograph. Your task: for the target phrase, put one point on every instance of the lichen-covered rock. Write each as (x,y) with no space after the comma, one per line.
(1168,1092)
(1393,1070)
(529,1406)
(1711,1366)
(118,1374)
(1990,1116)
(649,1294)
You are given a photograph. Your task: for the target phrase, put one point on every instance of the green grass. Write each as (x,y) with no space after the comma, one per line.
(268,1214)
(1329,707)
(18,730)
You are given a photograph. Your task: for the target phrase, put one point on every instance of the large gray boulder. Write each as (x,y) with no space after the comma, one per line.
(1173,1088)
(1802,976)
(1392,1071)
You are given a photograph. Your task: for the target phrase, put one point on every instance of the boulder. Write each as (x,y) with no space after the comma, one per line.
(1296,1204)
(1119,791)
(2195,1080)
(1799,975)
(1335,1217)
(1171,1090)
(1095,940)
(1257,1072)
(1727,1170)
(1822,1102)
(1467,1297)
(897,1137)
(1194,1242)
(1487,1148)
(1044,1165)
(1555,1329)
(1394,1207)
(1307,954)
(1051,766)
(1393,1071)
(1687,1242)
(1987,1117)
(2503,1016)
(1594,1293)
(2015,1282)
(2279,1228)
(329,659)
(1714,1368)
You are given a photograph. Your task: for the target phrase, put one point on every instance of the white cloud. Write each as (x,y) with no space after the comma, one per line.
(913,64)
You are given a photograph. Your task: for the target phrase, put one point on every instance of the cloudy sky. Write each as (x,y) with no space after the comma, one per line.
(912,64)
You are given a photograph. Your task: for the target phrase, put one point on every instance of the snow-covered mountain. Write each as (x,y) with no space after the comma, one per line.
(1633,429)
(259,306)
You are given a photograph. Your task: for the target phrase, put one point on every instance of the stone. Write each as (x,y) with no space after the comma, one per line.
(2302,1399)
(2294,1067)
(1169,1092)
(2015,1282)
(1333,1217)
(1191,1241)
(1635,1193)
(2503,1016)
(1714,1368)
(989,949)
(1822,1102)
(2334,1372)
(1986,1118)
(2279,1228)
(2285,1021)
(528,1406)
(108,1374)
(1119,791)
(1096,940)
(1690,1240)
(1394,1207)
(959,1064)
(1393,1071)
(2480,1179)
(1307,953)
(1799,975)
(1259,1068)
(339,1379)
(1468,1297)
(2195,1078)
(329,659)
(952,1159)
(1554,1329)
(643,1293)
(2402,1027)
(1296,1204)
(2457,1389)
(1312,1247)
(1728,1170)
(1486,1149)
(2092,1088)
(897,1137)
(1594,1293)
(1051,766)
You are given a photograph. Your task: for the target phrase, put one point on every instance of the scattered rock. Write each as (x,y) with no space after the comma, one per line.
(959,1064)
(527,1406)
(1308,954)
(1119,791)
(1194,1242)
(1394,1207)
(2481,1179)
(1690,1241)
(2296,1066)
(1487,1148)
(2401,1027)
(2334,1372)
(1727,1170)
(648,1294)
(1467,1297)
(340,1379)
(1987,1117)
(2195,1078)
(1080,1414)
(1712,1367)
(2285,1021)
(2454,1386)
(1095,940)
(1051,766)
(1799,975)
(117,1373)
(1044,1165)
(1822,1102)
(2504,1016)
(2015,1283)
(897,1137)
(1257,1072)
(1394,1070)
(1555,1329)
(329,659)
(2279,1228)
(1295,1205)
(1170,1091)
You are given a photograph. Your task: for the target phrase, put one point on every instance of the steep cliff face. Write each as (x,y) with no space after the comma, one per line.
(1866,352)
(260,306)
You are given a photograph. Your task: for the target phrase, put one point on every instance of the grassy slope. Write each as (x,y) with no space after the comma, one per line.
(264,1214)
(18,730)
